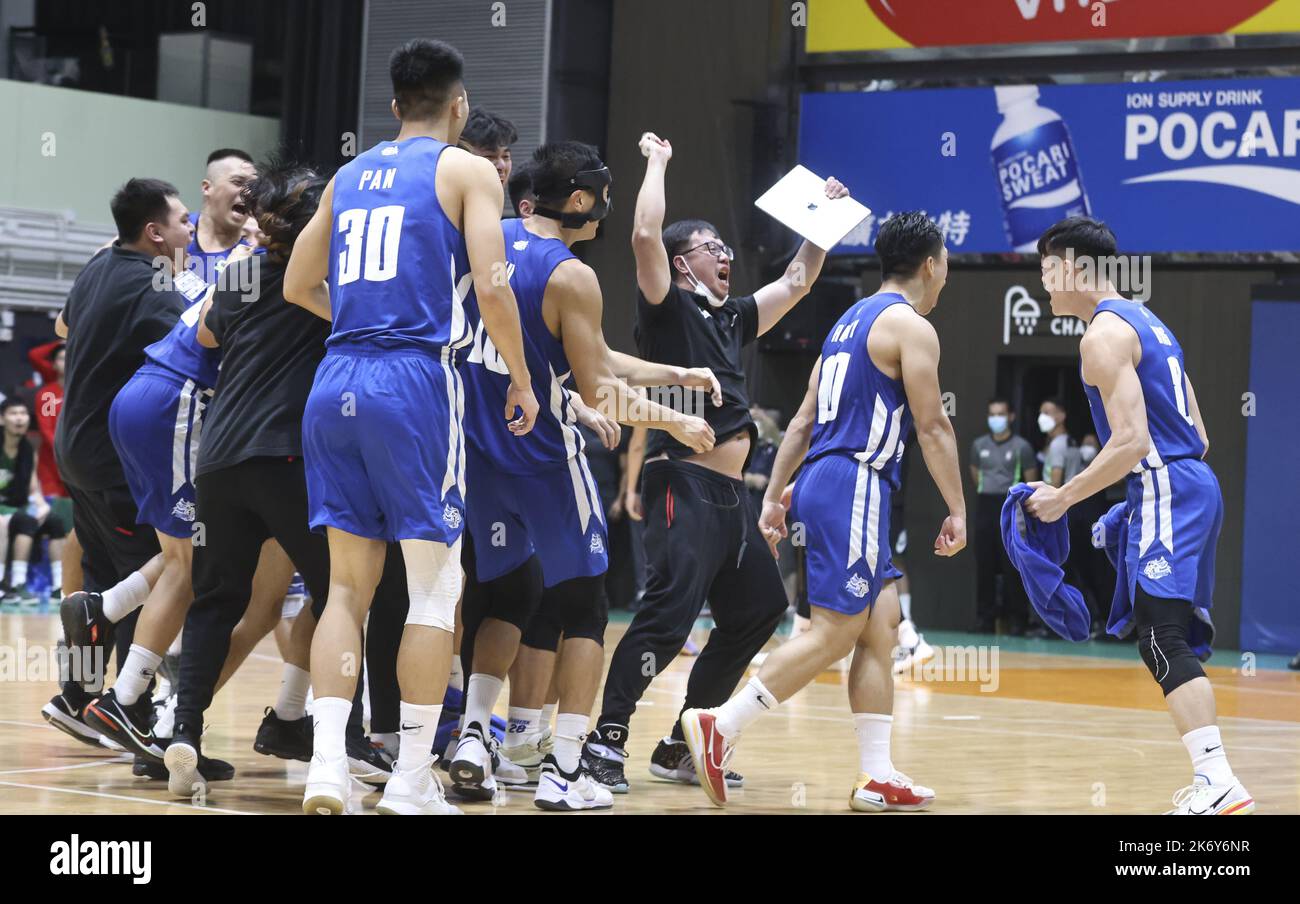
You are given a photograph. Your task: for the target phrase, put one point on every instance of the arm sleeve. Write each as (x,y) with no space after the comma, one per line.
(40,358)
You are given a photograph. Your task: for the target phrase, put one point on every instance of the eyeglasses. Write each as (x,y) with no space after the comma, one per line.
(715,249)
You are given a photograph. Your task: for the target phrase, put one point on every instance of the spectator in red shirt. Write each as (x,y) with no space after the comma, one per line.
(48,361)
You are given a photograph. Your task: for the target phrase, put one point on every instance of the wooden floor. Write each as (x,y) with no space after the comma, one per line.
(1060,734)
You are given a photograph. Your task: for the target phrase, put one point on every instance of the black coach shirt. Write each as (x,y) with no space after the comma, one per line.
(685,331)
(113,312)
(269,353)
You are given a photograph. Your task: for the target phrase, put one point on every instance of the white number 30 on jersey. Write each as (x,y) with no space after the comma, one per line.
(378,232)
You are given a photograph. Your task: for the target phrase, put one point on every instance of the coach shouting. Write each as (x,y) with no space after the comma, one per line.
(701,536)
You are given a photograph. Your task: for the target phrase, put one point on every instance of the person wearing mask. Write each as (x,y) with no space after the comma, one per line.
(1051,421)
(998,459)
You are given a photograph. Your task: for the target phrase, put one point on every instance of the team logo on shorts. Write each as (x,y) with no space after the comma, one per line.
(858,586)
(451,516)
(597,545)
(183,509)
(1157,569)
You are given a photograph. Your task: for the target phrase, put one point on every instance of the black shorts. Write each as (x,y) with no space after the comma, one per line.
(113,544)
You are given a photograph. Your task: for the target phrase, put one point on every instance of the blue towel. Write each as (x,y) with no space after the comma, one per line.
(1112,529)
(1037,550)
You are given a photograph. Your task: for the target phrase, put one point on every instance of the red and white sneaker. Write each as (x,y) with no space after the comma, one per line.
(710,752)
(898,793)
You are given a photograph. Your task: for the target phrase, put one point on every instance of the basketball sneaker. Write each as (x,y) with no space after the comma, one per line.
(911,650)
(1203,799)
(529,751)
(898,793)
(186,771)
(129,726)
(672,762)
(417,792)
(288,739)
(471,767)
(603,757)
(367,762)
(507,772)
(562,791)
(329,788)
(710,752)
(84,621)
(68,715)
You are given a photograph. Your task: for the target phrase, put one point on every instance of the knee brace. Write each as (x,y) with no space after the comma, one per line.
(433,580)
(580,606)
(1162,628)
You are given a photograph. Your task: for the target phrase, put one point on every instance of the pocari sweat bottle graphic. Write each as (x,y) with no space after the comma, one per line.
(1038,174)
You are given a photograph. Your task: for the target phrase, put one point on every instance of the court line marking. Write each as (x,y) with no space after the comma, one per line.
(115,761)
(139,800)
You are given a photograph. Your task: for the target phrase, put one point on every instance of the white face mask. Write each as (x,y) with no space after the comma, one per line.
(702,290)
(1087,453)
(1046,423)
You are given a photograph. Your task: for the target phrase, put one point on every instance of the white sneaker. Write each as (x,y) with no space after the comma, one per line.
(530,750)
(1203,799)
(907,636)
(507,772)
(329,787)
(183,778)
(905,658)
(471,767)
(417,792)
(564,793)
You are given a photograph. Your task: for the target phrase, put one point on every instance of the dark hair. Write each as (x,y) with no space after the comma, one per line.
(677,236)
(282,198)
(1055,400)
(1084,236)
(223,153)
(488,130)
(54,352)
(138,202)
(13,402)
(999,400)
(520,186)
(557,162)
(904,242)
(424,72)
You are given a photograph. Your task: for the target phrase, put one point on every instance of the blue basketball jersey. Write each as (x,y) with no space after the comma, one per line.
(180,352)
(860,412)
(530,261)
(399,272)
(207,265)
(1164,389)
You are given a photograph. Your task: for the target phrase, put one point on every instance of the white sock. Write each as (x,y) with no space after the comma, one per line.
(1205,747)
(873,730)
(457,677)
(480,697)
(750,702)
(165,727)
(19,574)
(329,727)
(419,727)
(905,603)
(135,674)
(523,723)
(175,648)
(291,704)
(125,597)
(548,716)
(570,729)
(56,575)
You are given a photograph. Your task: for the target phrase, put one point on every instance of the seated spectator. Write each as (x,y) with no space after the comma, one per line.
(19,486)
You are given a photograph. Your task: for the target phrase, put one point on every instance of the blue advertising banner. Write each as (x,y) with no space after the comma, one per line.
(1201,166)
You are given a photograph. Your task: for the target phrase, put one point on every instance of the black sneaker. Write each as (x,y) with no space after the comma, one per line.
(283,738)
(84,623)
(185,770)
(127,725)
(67,713)
(213,770)
(603,756)
(672,762)
(368,762)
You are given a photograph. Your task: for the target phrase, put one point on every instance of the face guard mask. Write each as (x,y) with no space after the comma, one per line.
(596,181)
